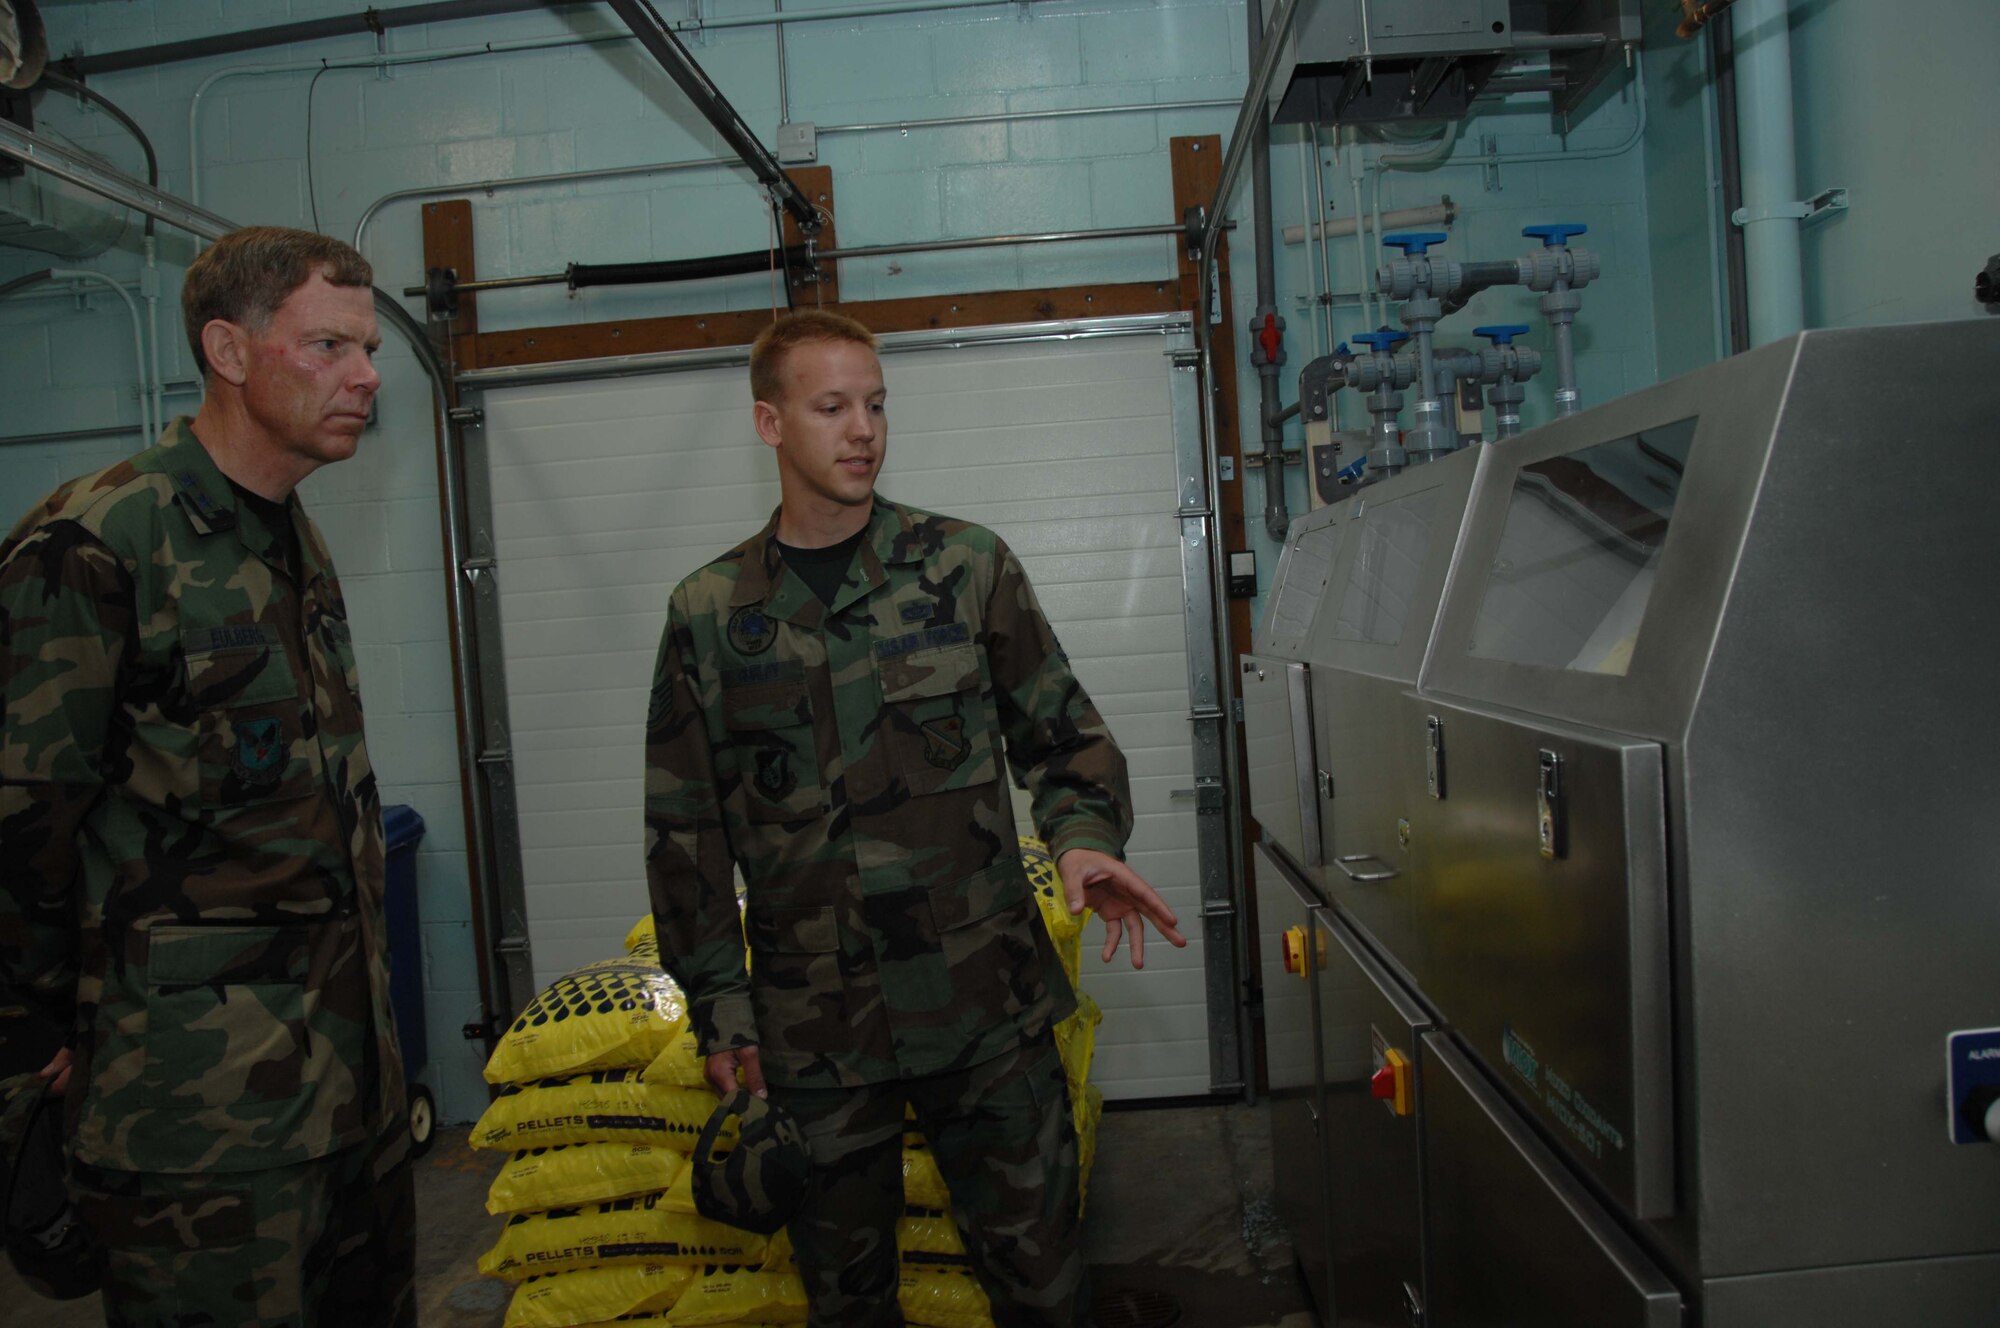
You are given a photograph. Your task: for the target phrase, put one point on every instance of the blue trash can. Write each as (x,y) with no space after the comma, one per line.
(402,831)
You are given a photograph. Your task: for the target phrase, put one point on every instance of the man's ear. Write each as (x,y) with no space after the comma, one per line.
(227,349)
(765,416)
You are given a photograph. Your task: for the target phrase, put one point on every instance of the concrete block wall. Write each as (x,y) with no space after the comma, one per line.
(577,104)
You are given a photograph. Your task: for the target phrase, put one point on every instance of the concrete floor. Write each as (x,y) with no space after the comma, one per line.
(1179,1203)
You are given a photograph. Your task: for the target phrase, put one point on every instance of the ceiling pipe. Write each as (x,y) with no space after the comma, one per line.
(660,42)
(376,21)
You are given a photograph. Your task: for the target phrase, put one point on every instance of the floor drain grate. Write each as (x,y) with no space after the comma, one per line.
(1135,1309)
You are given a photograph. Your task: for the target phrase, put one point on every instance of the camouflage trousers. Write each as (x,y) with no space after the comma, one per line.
(1006,1145)
(329,1243)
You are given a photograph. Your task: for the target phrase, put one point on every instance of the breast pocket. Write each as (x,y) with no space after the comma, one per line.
(254,728)
(771,730)
(226,1014)
(935,724)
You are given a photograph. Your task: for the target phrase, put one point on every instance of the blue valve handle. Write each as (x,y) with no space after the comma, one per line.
(1383,341)
(1502,334)
(1417,242)
(1555,235)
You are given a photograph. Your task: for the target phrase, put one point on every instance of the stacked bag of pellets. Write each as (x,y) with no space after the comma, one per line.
(602,1100)
(1076,1036)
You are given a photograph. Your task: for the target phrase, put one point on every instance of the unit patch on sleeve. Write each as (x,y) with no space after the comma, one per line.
(260,751)
(944,742)
(751,630)
(775,778)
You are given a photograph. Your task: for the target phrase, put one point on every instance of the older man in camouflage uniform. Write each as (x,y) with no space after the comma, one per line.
(833,704)
(192,860)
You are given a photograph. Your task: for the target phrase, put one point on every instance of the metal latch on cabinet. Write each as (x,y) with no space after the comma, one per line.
(1549,810)
(1817,208)
(1434,755)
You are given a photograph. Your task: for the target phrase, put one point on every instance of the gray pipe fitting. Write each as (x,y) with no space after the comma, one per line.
(1543,268)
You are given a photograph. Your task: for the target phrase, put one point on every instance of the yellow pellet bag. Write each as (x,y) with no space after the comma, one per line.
(681,1063)
(602,1106)
(642,933)
(741,1295)
(927,1231)
(623,1231)
(592,1295)
(1076,1042)
(923,1183)
(938,1297)
(608,1015)
(565,1175)
(1089,1114)
(1064,928)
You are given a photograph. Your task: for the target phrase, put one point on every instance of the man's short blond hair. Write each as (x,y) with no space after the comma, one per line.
(775,343)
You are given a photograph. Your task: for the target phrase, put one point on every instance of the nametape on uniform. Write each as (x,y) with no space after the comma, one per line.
(230,636)
(929,638)
(778,670)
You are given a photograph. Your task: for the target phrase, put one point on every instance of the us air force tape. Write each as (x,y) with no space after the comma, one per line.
(759,1183)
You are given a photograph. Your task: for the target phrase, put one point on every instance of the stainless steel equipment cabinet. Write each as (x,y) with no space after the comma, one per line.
(1653,760)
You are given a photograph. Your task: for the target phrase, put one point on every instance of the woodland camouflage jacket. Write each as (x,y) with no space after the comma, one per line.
(190,833)
(849,760)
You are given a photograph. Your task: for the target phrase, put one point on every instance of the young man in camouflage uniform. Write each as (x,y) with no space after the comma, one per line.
(190,834)
(833,703)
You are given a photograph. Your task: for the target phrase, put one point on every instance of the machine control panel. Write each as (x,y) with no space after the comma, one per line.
(1972,1085)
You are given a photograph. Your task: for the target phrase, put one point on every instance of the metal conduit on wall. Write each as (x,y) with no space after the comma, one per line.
(701,163)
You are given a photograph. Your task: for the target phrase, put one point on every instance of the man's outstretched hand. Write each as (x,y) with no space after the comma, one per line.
(1120,896)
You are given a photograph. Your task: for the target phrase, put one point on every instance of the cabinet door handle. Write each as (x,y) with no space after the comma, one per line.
(1389,874)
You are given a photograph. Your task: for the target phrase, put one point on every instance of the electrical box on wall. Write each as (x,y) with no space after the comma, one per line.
(1243,574)
(1369,61)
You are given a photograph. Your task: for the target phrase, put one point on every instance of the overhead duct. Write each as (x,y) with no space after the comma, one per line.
(1357,62)
(52,216)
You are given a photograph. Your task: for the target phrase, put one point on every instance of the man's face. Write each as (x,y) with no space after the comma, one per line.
(831,428)
(308,374)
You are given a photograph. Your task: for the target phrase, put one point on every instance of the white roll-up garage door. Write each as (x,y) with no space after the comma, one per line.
(607,492)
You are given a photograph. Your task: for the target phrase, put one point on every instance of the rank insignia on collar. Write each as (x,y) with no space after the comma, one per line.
(944,742)
(775,778)
(260,751)
(751,630)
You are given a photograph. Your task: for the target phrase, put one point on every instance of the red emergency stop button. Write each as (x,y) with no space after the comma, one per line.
(1391,1082)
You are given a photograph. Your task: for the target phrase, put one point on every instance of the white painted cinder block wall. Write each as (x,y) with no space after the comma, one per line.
(66,365)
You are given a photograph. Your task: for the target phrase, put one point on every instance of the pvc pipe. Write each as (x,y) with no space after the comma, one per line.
(1769,168)
(1441,213)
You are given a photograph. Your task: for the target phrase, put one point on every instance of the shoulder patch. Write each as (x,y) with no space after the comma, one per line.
(751,630)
